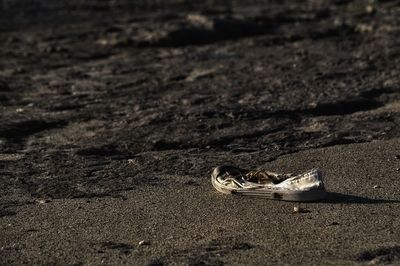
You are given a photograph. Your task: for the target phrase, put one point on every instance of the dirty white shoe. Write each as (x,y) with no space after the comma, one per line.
(308,186)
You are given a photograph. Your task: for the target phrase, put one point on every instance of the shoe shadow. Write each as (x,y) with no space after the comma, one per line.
(334,197)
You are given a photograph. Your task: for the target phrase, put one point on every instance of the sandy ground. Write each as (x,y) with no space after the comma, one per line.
(113,115)
(184,221)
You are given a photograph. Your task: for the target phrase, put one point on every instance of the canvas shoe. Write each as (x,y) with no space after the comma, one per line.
(308,186)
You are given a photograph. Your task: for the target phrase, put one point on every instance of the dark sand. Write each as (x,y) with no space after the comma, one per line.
(185,221)
(112,117)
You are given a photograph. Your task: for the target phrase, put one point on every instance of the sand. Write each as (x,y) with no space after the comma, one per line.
(114,113)
(186,221)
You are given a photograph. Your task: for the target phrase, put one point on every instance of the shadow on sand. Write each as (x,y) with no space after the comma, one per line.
(333,197)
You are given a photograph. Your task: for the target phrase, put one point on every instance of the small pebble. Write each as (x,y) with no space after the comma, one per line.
(376,186)
(369,9)
(144,243)
(297,209)
(43,201)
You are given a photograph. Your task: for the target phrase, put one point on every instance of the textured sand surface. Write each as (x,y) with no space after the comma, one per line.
(113,115)
(185,221)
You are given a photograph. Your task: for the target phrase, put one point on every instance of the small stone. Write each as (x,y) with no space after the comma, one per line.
(397,169)
(136,108)
(19,110)
(43,201)
(369,9)
(185,102)
(376,186)
(144,243)
(298,209)
(102,41)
